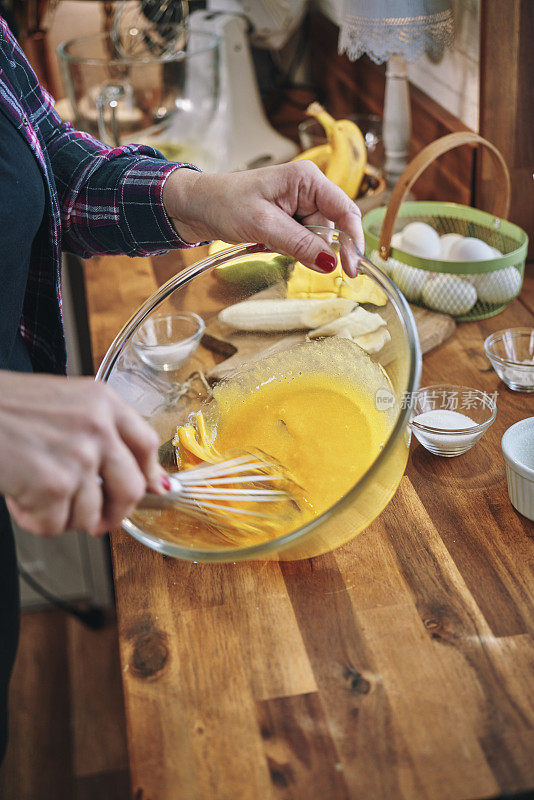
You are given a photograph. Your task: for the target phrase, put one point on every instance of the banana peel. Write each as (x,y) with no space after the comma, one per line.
(256,271)
(323,117)
(192,444)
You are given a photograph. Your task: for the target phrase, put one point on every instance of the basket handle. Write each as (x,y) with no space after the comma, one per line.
(423,160)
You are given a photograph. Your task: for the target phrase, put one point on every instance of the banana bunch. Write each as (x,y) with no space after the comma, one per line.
(343,158)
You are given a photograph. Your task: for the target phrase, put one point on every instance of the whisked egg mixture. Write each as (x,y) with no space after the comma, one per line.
(313,409)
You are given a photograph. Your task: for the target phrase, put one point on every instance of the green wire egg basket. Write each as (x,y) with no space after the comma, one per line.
(473,289)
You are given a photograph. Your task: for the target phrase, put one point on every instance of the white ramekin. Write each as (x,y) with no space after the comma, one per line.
(518,451)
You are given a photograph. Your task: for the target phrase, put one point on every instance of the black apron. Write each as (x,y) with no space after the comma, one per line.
(22,203)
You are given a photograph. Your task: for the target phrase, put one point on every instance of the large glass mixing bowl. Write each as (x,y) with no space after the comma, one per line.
(126,91)
(166,397)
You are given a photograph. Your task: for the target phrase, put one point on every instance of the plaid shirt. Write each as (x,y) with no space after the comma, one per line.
(98,200)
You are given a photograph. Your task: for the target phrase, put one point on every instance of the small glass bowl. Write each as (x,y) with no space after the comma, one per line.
(437,418)
(511,352)
(167,342)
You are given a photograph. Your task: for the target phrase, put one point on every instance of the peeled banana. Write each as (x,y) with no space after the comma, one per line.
(374,341)
(344,158)
(283,314)
(358,323)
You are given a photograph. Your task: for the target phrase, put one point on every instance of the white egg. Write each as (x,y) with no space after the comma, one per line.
(497,253)
(449,294)
(380,263)
(410,280)
(447,241)
(470,249)
(499,286)
(420,239)
(386,266)
(396,240)
(471,277)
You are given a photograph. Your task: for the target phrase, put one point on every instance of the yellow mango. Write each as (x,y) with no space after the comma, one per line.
(304,282)
(316,295)
(362,290)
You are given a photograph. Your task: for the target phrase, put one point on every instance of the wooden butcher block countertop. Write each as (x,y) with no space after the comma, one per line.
(398,666)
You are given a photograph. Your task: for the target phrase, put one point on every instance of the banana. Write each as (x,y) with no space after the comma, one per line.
(320,155)
(346,165)
(284,314)
(357,323)
(349,170)
(321,115)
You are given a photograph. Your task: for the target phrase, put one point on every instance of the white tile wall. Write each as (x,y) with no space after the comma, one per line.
(454,81)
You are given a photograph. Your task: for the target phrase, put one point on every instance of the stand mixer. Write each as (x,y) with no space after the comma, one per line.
(239,130)
(205,109)
(239,135)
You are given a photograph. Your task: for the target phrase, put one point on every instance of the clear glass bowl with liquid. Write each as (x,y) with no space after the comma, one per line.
(168,399)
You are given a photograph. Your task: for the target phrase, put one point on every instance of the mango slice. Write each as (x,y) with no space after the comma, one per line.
(255,271)
(304,282)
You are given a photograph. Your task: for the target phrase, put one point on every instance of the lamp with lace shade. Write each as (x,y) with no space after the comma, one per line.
(396,31)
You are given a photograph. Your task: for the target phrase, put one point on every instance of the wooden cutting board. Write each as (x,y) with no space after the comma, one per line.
(433,327)
(240,347)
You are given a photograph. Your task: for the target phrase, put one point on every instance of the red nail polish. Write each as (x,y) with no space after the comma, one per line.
(325,262)
(166,483)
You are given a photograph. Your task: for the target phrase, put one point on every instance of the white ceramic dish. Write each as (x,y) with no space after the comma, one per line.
(518,451)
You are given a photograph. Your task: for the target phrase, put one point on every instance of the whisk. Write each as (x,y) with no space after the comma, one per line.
(156,25)
(249,493)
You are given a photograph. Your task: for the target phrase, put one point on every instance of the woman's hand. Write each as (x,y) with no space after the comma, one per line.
(74,455)
(270,205)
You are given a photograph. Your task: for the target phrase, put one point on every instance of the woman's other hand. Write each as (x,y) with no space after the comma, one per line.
(270,205)
(74,455)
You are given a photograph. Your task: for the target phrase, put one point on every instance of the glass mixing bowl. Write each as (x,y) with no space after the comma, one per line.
(166,399)
(123,90)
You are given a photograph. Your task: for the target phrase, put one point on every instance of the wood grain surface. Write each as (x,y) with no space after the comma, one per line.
(398,666)
(67,736)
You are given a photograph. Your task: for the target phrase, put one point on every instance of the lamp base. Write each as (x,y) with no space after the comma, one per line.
(397,119)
